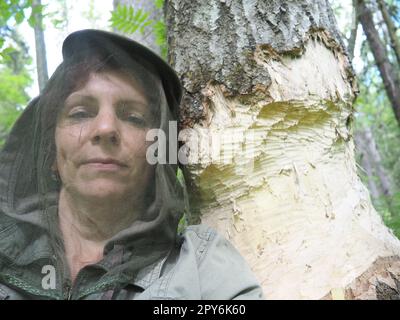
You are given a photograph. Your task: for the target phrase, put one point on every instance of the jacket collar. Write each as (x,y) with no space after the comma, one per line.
(149,274)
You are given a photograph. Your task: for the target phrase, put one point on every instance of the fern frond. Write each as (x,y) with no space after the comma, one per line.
(128,20)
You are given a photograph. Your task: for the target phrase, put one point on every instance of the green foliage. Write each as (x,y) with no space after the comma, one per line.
(35,12)
(14,59)
(13,13)
(13,97)
(393,220)
(19,17)
(59,14)
(160,32)
(13,10)
(128,20)
(159,4)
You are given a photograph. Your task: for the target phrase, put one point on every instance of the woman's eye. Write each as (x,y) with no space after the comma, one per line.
(80,114)
(136,120)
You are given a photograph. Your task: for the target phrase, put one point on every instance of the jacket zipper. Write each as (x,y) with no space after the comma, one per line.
(67,291)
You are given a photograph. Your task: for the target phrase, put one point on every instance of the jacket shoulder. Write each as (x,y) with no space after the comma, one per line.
(198,238)
(223,272)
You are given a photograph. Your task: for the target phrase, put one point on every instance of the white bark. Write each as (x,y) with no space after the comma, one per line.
(285,189)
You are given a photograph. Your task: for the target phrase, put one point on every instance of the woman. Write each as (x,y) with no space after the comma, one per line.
(83,213)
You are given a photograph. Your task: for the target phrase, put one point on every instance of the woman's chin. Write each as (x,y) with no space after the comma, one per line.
(102,191)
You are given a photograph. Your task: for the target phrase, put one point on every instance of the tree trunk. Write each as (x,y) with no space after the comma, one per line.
(377,162)
(353,33)
(148,38)
(366,163)
(65,15)
(372,164)
(269,83)
(390,78)
(391,30)
(41,60)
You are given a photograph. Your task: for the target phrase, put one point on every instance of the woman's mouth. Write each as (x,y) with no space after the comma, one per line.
(104,164)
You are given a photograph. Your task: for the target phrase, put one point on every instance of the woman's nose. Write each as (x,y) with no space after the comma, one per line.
(105,128)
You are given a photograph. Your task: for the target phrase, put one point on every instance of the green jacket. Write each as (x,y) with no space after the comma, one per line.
(202,265)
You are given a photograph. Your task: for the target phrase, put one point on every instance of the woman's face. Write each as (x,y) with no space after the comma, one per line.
(101,139)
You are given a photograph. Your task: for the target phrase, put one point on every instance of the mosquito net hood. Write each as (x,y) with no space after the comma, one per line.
(30,235)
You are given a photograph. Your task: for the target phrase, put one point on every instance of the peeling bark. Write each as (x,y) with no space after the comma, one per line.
(269,83)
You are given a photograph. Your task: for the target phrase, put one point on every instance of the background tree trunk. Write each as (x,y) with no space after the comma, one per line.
(269,82)
(41,60)
(147,39)
(353,34)
(377,162)
(391,30)
(390,78)
(378,181)
(366,163)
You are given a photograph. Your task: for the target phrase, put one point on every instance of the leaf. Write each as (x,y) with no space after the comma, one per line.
(57,23)
(159,31)
(38,9)
(32,20)
(19,16)
(128,20)
(159,4)
(8,51)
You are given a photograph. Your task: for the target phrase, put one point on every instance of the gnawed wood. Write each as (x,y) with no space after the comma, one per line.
(381,281)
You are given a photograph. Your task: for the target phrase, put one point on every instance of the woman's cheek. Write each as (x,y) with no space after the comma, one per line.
(141,146)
